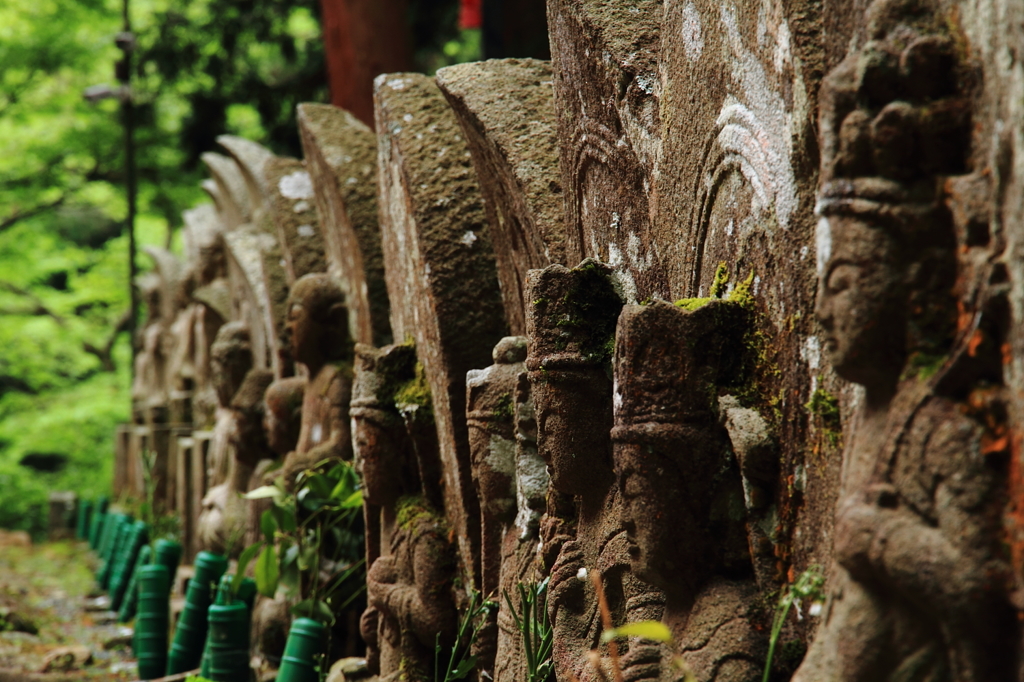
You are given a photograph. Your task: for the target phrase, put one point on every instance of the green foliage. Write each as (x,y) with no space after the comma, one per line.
(460,661)
(201,69)
(531,620)
(808,586)
(321,521)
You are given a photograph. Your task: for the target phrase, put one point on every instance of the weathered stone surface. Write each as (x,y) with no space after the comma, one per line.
(607,88)
(735,185)
(252,159)
(520,552)
(571,321)
(506,111)
(490,414)
(921,568)
(439,268)
(318,323)
(231,196)
(250,299)
(196,324)
(291,206)
(411,575)
(682,494)
(341,157)
(275,309)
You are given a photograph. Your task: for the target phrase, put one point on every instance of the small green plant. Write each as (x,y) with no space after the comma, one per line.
(320,524)
(460,660)
(162,523)
(533,624)
(808,585)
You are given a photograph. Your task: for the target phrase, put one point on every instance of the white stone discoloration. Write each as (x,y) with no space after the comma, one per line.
(693,40)
(823,244)
(501,455)
(305,230)
(811,352)
(297,185)
(755,127)
(468,238)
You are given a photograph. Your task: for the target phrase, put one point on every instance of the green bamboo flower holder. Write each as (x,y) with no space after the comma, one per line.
(305,644)
(120,536)
(82,525)
(99,513)
(190,635)
(121,573)
(131,594)
(168,553)
(152,621)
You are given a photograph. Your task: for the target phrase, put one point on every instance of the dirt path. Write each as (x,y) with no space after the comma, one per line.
(46,633)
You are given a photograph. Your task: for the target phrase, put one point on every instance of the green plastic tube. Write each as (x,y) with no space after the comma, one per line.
(305,644)
(190,635)
(131,594)
(138,536)
(152,621)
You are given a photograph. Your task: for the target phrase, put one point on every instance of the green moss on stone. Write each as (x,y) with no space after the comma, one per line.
(415,391)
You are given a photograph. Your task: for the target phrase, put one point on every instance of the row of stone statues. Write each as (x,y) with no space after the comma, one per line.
(652,434)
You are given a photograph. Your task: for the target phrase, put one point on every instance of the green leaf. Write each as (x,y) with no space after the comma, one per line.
(463,668)
(263,492)
(654,630)
(354,500)
(307,557)
(266,572)
(243,562)
(268,526)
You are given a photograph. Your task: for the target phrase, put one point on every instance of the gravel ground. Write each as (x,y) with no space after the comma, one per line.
(46,588)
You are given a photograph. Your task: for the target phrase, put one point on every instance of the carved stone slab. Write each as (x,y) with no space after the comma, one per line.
(250,299)
(252,158)
(232,196)
(292,208)
(604,56)
(439,267)
(341,157)
(506,110)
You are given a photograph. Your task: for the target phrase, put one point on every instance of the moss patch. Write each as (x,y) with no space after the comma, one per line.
(415,391)
(824,407)
(504,409)
(591,313)
(413,510)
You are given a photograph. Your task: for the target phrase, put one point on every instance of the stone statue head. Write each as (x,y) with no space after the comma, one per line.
(571,326)
(491,420)
(682,498)
(230,360)
(282,414)
(382,451)
(895,119)
(318,321)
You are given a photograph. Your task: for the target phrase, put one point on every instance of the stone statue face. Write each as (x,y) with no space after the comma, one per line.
(303,332)
(379,459)
(573,433)
(663,533)
(860,303)
(318,321)
(228,372)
